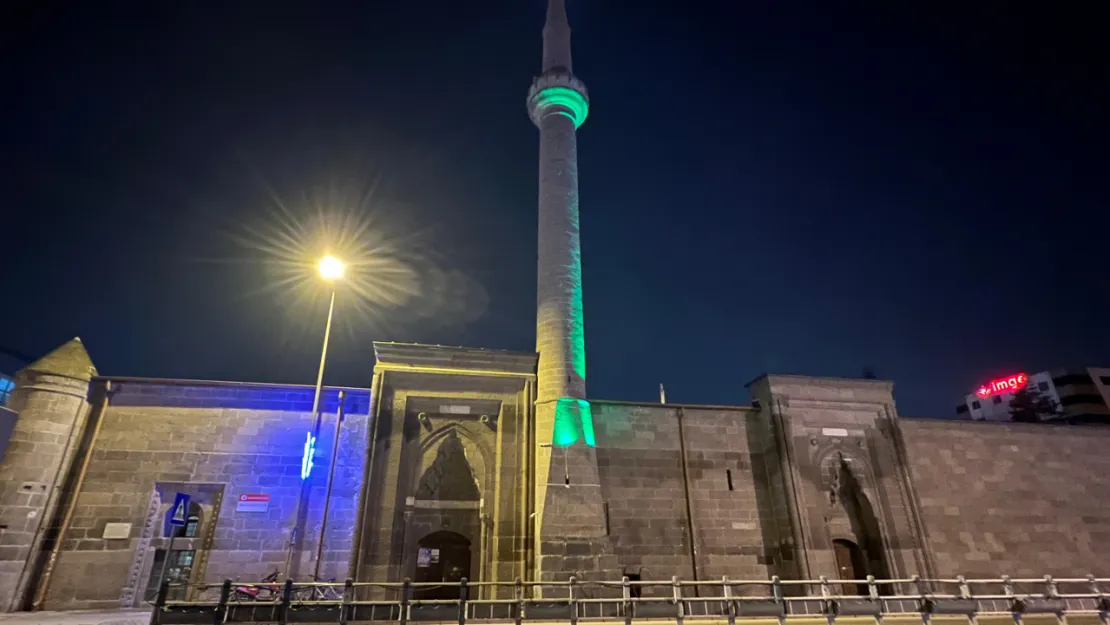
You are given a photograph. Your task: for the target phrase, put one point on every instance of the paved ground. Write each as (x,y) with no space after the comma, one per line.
(81,617)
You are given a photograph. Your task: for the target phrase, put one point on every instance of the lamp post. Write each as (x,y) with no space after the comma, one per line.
(330,269)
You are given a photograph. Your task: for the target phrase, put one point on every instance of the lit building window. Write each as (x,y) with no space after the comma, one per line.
(191,526)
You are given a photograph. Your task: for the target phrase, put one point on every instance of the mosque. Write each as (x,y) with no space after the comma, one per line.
(496,466)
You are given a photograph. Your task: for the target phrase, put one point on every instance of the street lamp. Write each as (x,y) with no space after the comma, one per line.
(330,269)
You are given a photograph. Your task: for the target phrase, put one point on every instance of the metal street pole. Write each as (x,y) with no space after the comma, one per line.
(323,357)
(315,434)
(169,554)
(327,492)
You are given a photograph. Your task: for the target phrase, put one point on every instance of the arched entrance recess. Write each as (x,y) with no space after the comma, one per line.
(442,556)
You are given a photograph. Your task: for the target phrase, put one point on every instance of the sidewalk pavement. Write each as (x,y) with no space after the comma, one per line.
(78,617)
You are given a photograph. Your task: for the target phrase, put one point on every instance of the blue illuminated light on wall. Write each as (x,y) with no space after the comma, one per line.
(309,452)
(7,385)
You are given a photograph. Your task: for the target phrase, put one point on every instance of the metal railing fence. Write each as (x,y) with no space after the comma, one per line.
(578,600)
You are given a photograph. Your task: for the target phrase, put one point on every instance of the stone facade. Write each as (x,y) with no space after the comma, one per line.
(492,466)
(150,440)
(434,403)
(1023,499)
(436,474)
(640,454)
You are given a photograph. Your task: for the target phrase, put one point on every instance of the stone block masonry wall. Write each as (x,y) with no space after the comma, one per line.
(844,477)
(216,442)
(1013,499)
(640,466)
(52,410)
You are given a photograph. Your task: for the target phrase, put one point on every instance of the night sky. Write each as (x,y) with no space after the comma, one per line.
(813,188)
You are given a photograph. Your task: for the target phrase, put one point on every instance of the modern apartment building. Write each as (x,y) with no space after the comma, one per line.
(1081,395)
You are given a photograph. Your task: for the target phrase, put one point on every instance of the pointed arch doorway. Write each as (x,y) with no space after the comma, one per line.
(858,546)
(445,520)
(442,556)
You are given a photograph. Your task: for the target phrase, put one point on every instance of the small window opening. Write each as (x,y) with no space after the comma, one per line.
(605,511)
(728,474)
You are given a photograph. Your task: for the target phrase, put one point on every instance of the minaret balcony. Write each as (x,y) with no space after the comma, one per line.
(560,92)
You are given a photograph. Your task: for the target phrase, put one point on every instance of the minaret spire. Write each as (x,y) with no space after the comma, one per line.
(556,38)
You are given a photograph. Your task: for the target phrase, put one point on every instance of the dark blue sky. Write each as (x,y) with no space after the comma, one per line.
(797,187)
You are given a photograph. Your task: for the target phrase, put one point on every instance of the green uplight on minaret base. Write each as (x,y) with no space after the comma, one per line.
(564,100)
(574,422)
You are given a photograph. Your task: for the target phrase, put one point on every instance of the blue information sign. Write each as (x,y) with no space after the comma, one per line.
(180,510)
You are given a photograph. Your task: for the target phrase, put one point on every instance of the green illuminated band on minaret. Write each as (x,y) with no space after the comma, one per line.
(574,421)
(566,101)
(558,104)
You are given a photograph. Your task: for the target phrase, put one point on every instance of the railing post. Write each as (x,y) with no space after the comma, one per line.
(462,601)
(676,590)
(519,590)
(965,589)
(346,599)
(831,604)
(1050,591)
(924,602)
(573,600)
(1016,605)
(221,610)
(1101,600)
(730,605)
(626,595)
(406,589)
(286,599)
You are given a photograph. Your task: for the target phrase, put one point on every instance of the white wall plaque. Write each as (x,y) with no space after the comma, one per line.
(834,432)
(116,531)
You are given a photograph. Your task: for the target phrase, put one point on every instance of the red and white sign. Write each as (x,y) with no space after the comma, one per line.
(1003,385)
(254,502)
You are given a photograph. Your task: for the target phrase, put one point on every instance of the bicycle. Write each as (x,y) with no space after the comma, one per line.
(318,592)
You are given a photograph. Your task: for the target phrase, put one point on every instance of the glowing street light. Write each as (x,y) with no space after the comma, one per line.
(331,268)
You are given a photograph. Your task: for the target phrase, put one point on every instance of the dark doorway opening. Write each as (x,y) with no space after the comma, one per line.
(442,557)
(850,564)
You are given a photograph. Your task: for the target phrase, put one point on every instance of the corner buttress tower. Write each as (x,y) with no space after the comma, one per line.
(569,532)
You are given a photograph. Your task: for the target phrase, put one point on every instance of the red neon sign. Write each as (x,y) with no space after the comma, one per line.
(1003,385)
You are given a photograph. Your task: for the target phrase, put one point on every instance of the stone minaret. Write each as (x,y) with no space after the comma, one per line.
(558,104)
(569,511)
